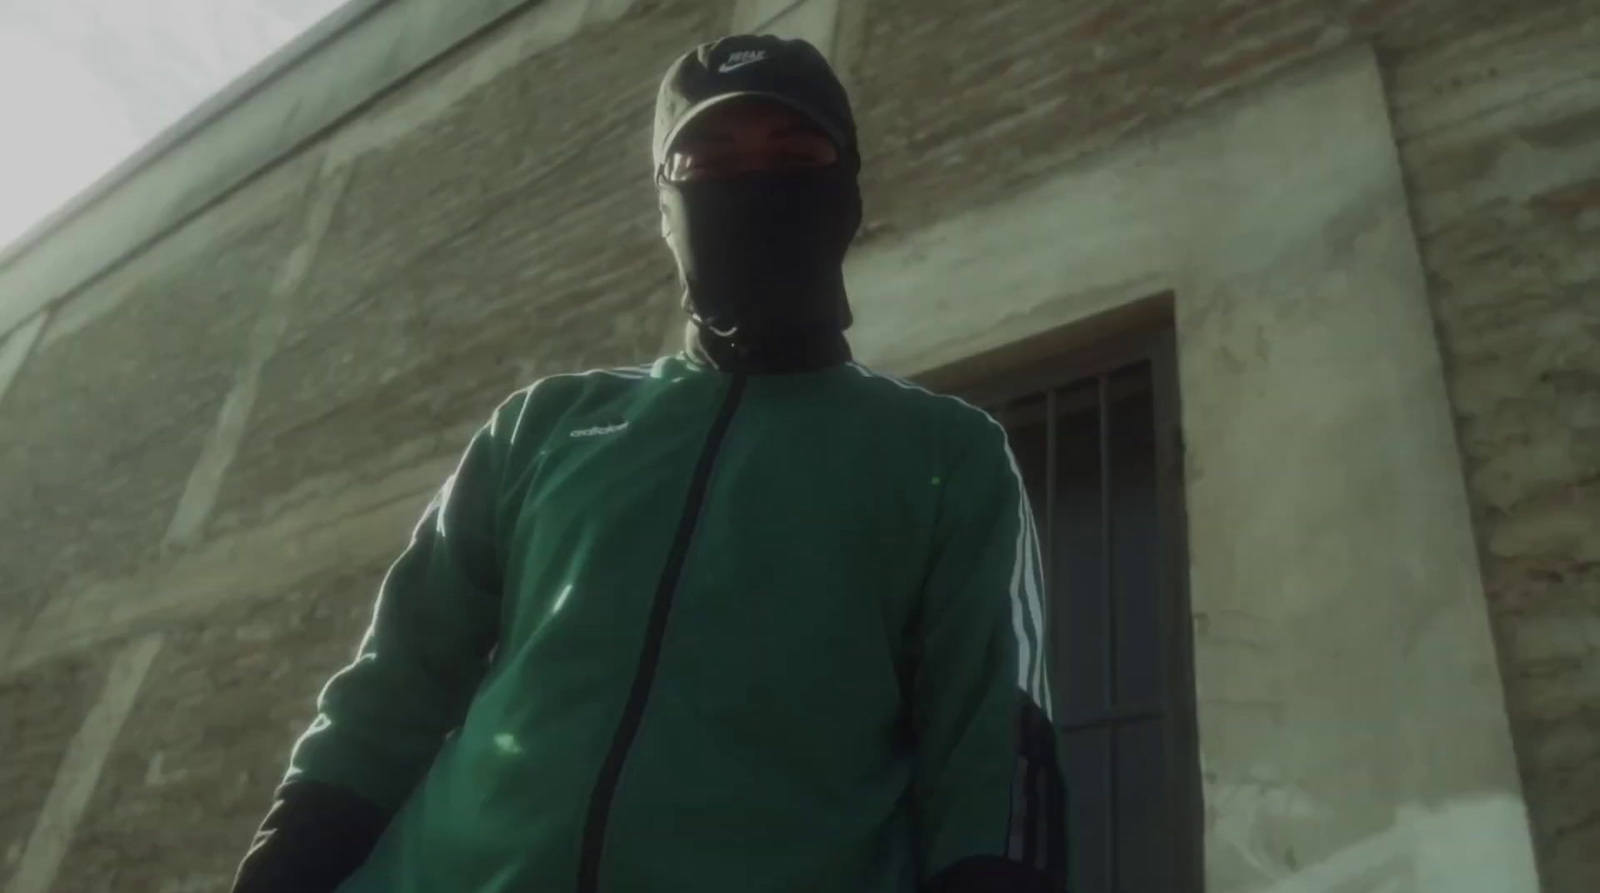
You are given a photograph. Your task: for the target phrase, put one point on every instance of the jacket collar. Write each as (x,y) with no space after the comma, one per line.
(803,352)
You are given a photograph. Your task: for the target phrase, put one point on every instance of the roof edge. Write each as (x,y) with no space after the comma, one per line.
(213,108)
(262,117)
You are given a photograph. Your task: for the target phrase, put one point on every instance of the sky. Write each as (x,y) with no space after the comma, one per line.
(85,83)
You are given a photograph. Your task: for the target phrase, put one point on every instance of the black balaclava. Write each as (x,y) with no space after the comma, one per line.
(761,254)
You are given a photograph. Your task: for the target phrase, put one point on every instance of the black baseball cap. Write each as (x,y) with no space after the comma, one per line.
(792,72)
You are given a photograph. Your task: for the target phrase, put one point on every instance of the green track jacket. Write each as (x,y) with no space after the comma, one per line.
(673,630)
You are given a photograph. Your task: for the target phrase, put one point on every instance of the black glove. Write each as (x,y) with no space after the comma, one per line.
(991,874)
(313,838)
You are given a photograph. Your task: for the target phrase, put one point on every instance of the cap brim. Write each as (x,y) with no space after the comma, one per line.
(832,130)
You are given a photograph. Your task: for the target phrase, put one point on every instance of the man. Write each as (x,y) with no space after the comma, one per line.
(751,618)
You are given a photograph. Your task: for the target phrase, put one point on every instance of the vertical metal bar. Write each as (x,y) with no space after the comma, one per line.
(1047,636)
(1049,546)
(1108,586)
(1108,602)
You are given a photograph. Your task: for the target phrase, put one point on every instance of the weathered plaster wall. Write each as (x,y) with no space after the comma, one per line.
(1336,646)
(225,440)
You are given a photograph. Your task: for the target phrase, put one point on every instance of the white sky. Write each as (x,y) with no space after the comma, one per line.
(85,83)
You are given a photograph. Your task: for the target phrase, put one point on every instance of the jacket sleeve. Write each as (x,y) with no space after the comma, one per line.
(987,792)
(382,719)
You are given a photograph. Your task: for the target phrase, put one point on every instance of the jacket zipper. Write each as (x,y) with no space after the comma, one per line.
(605,787)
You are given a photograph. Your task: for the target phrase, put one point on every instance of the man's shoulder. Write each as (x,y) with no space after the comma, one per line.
(585,381)
(927,406)
(553,395)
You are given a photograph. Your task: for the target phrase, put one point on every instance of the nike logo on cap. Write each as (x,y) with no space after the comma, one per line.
(740,59)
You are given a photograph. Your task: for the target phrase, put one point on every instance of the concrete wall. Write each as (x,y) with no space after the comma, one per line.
(208,455)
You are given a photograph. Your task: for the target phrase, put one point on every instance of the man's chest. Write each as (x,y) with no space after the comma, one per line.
(801,518)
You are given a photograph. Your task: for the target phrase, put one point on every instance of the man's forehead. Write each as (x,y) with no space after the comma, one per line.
(748,110)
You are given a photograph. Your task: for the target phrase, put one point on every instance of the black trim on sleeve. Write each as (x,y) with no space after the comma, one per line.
(991,874)
(1038,833)
(314,837)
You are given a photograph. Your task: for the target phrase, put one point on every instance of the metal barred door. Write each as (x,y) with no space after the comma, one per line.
(1101,458)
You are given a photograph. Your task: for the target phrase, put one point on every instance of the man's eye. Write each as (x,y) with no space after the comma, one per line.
(710,162)
(684,165)
(799,159)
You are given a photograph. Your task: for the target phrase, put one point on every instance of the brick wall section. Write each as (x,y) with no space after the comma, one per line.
(511,238)
(193,771)
(966,103)
(40,712)
(1507,203)
(126,402)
